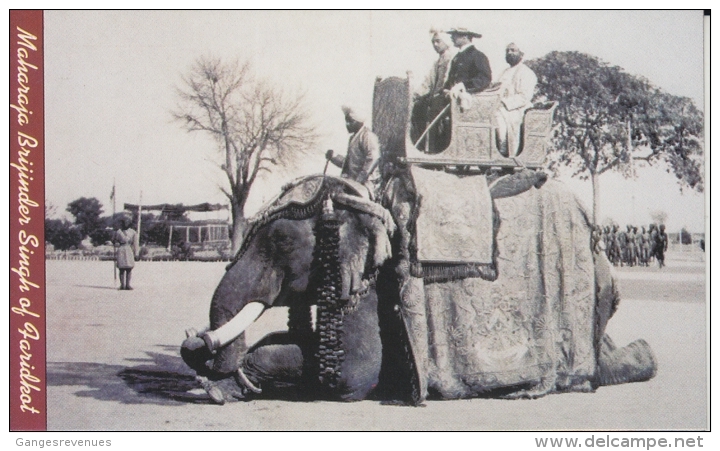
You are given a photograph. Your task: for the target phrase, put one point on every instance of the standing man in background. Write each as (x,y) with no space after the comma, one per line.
(126,241)
(661,245)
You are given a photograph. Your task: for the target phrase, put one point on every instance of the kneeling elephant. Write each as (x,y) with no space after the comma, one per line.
(389,327)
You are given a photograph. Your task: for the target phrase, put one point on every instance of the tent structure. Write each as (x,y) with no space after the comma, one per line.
(203,231)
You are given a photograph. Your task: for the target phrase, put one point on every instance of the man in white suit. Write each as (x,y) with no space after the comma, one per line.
(516,92)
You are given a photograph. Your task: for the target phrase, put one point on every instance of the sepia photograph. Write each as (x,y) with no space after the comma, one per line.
(360,221)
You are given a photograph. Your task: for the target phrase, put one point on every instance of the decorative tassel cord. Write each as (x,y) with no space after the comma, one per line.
(330,353)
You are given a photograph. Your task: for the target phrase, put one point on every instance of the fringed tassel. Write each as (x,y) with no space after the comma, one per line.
(433,273)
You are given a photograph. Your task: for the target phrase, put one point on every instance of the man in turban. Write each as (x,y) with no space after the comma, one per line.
(432,100)
(469,69)
(363,155)
(517,86)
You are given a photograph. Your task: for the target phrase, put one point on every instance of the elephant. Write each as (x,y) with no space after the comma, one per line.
(391,327)
(319,243)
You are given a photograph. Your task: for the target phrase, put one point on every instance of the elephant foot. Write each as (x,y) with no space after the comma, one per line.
(633,363)
(221,391)
(211,388)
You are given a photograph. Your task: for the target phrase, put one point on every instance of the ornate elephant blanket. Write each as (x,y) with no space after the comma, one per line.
(533,326)
(454,224)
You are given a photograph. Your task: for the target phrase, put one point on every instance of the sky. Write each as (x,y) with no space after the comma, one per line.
(111,80)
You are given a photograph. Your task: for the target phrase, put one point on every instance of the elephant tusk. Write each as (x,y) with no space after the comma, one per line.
(232,329)
(246,382)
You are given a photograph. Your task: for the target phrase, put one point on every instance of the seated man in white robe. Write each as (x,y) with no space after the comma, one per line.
(516,92)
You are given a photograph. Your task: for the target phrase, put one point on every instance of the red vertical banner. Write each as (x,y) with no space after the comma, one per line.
(28,397)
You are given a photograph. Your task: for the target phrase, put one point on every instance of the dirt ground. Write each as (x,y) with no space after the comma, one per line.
(114,365)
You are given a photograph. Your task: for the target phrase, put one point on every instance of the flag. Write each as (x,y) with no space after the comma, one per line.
(112,193)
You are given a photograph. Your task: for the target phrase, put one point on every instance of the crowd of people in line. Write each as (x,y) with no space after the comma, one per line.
(633,246)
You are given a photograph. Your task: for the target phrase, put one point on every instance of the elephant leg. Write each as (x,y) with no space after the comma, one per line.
(606,295)
(220,386)
(217,354)
(275,364)
(275,367)
(228,358)
(632,363)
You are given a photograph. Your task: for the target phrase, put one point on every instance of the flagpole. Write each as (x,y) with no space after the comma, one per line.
(112,223)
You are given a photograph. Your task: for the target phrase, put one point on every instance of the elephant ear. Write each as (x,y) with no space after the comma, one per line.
(376,220)
(363,247)
(382,249)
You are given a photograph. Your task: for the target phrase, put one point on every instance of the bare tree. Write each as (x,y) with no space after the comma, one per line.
(254,124)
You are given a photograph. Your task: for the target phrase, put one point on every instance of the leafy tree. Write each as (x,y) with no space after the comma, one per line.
(104,232)
(671,128)
(153,230)
(87,211)
(101,236)
(608,118)
(255,125)
(115,221)
(62,234)
(157,233)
